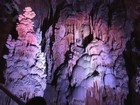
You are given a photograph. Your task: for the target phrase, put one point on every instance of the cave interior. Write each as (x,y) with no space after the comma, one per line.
(70,52)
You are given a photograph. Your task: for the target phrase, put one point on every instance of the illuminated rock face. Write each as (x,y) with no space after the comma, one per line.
(101,73)
(25,74)
(87,65)
(84,42)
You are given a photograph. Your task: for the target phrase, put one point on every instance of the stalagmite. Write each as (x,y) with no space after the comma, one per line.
(25,74)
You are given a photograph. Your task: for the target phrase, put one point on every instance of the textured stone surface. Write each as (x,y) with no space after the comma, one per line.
(95,52)
(25,74)
(92,51)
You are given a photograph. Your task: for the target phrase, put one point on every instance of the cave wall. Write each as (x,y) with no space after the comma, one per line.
(91,49)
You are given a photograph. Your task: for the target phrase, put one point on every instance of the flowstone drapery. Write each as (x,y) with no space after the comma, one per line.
(86,56)
(25,74)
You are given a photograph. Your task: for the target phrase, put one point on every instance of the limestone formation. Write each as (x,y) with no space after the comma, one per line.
(89,50)
(25,74)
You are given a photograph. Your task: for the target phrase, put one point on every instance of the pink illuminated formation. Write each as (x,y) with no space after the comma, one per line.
(25,26)
(25,74)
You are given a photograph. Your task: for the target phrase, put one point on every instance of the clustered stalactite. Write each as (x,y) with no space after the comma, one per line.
(95,72)
(85,43)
